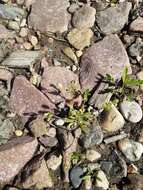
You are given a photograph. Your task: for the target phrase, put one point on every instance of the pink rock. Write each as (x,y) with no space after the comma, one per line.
(105,57)
(58,78)
(47,15)
(26,99)
(14,155)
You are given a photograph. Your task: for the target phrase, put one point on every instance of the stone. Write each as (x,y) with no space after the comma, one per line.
(80,38)
(101,180)
(137,25)
(18,133)
(33,40)
(49,15)
(40,179)
(54,162)
(13,25)
(6,130)
(59,122)
(57,90)
(26,99)
(107,19)
(93,137)
(22,59)
(70,53)
(11,12)
(27,45)
(14,155)
(5,74)
(38,127)
(136,49)
(51,132)
(23,32)
(84,17)
(140,77)
(48,141)
(92,155)
(107,56)
(76,176)
(131,149)
(5,33)
(131,111)
(111,119)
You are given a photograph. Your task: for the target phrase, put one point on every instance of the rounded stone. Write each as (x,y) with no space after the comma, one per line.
(101,180)
(131,111)
(76,176)
(92,155)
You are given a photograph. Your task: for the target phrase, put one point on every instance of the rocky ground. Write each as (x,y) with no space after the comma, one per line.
(71,94)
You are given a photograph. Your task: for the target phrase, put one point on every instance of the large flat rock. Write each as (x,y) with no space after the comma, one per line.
(113,19)
(14,155)
(107,56)
(47,15)
(26,99)
(56,82)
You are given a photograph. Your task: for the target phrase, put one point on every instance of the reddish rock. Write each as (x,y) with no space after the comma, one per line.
(57,79)
(26,99)
(14,155)
(47,15)
(105,57)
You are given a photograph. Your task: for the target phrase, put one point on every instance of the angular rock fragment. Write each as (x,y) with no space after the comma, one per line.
(47,15)
(107,56)
(14,155)
(26,99)
(137,25)
(22,59)
(113,19)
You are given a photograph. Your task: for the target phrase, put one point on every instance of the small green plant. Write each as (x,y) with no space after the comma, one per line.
(72,88)
(86,95)
(123,87)
(75,158)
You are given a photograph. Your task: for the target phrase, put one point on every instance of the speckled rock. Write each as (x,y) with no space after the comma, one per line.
(56,89)
(54,162)
(107,19)
(84,17)
(137,25)
(49,15)
(131,149)
(101,180)
(80,38)
(26,99)
(131,111)
(106,56)
(14,155)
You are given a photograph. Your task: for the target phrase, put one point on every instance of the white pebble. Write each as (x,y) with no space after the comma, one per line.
(59,122)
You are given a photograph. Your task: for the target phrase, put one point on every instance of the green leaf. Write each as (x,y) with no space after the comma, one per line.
(133,82)
(124,75)
(109,78)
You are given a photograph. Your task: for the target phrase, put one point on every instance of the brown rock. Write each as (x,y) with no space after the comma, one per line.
(14,155)
(137,25)
(105,57)
(62,80)
(26,99)
(5,33)
(47,15)
(135,182)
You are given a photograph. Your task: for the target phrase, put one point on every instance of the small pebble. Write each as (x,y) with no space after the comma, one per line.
(101,180)
(74,68)
(51,132)
(23,23)
(131,111)
(54,162)
(33,40)
(131,149)
(56,62)
(76,176)
(27,45)
(132,169)
(13,25)
(23,32)
(59,122)
(70,53)
(18,133)
(79,53)
(92,155)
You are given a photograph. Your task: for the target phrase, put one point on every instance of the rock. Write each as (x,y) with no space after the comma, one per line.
(59,122)
(140,77)
(88,183)
(33,40)
(11,12)
(5,33)
(48,141)
(14,155)
(40,179)
(23,32)
(94,136)
(26,99)
(131,149)
(131,111)
(101,180)
(13,25)
(51,132)
(84,17)
(76,176)
(107,19)
(6,130)
(27,45)
(52,15)
(5,75)
(56,62)
(54,162)
(38,127)
(92,155)
(56,90)
(137,25)
(22,59)
(111,119)
(80,38)
(70,53)
(135,182)
(136,49)
(107,56)
(18,133)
